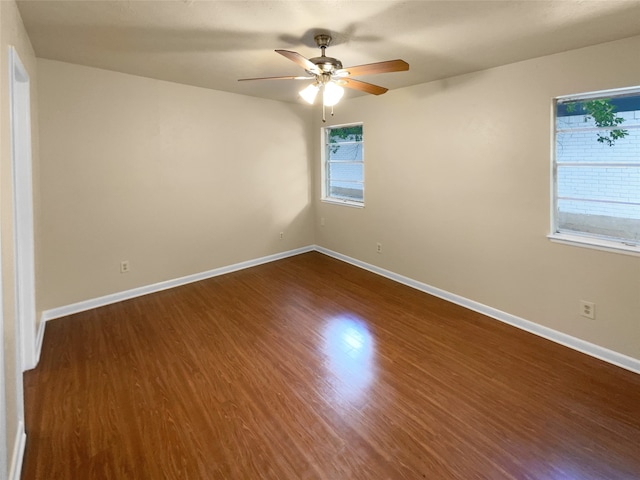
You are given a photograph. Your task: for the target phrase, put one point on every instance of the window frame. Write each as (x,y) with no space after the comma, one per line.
(325,197)
(581,239)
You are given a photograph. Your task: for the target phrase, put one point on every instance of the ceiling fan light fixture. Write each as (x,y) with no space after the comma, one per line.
(332,94)
(309,93)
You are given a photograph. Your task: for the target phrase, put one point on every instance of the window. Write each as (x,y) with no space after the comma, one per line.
(597,170)
(343,165)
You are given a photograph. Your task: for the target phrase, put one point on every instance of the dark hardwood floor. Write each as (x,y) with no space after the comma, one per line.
(309,368)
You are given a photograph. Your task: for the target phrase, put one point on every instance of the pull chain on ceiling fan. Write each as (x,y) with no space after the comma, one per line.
(329,77)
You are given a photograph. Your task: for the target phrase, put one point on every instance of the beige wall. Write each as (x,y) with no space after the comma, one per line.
(175,179)
(178,180)
(13,34)
(458,192)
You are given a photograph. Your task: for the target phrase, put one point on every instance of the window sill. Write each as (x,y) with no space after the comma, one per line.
(346,203)
(595,243)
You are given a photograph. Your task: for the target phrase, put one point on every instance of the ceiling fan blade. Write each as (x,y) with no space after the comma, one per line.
(373,68)
(363,86)
(275,78)
(300,60)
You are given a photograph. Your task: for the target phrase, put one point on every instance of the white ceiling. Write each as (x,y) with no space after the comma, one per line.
(213,43)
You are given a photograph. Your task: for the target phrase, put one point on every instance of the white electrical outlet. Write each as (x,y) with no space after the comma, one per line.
(588,309)
(124,266)
(379,247)
(281,235)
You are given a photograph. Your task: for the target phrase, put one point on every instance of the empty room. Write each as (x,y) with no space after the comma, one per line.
(320,239)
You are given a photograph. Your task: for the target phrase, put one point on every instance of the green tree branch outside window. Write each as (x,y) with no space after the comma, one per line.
(603,114)
(345,132)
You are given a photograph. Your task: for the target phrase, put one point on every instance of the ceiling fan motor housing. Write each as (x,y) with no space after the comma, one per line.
(326,64)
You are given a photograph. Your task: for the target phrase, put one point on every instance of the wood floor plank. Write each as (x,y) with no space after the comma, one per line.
(310,368)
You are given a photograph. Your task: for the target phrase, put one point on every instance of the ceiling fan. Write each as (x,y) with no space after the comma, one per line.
(329,76)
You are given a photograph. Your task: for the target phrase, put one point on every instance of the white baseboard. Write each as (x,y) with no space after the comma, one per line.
(40,338)
(623,361)
(157,287)
(615,358)
(19,445)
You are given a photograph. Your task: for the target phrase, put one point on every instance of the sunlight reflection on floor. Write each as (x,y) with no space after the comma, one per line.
(350,359)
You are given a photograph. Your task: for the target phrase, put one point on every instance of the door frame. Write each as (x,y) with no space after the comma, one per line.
(24,244)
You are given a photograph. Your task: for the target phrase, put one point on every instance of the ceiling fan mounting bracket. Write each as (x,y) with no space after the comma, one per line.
(322,40)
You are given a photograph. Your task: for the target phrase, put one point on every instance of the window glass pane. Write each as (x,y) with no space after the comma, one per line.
(346,190)
(584,147)
(351,133)
(345,152)
(612,190)
(352,172)
(343,165)
(597,180)
(570,220)
(579,114)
